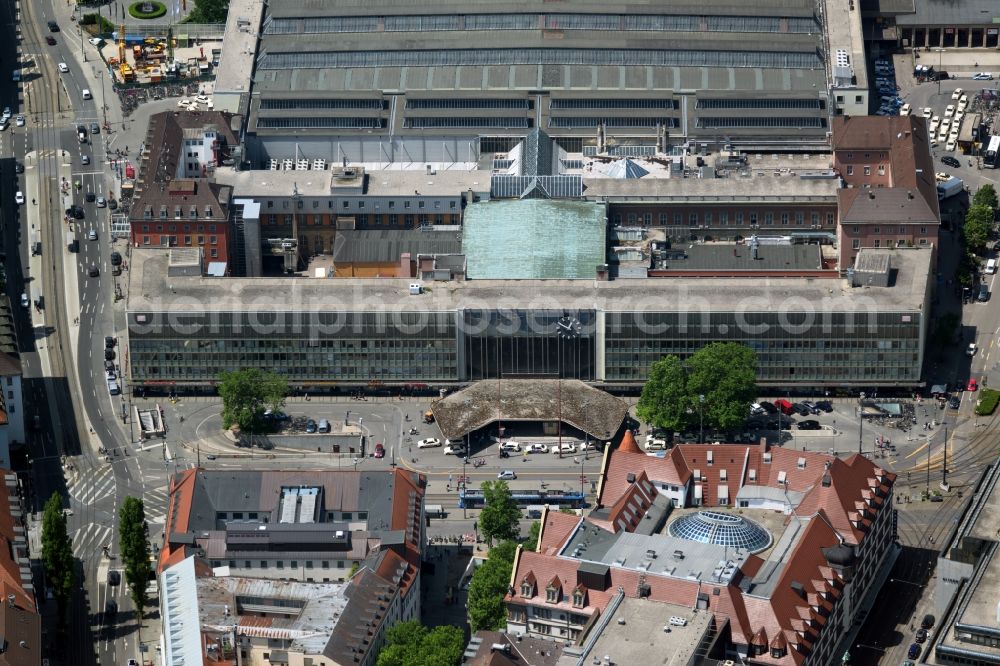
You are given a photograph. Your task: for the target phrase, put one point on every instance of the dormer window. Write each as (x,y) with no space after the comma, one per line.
(778,652)
(177,212)
(578,597)
(163,212)
(193,212)
(147,212)
(552,594)
(208,211)
(526,590)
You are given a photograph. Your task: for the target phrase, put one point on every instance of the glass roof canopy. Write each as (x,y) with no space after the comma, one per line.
(721,529)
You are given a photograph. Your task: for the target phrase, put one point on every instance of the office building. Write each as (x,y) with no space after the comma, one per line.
(757,554)
(277,567)
(335,334)
(890,194)
(175,204)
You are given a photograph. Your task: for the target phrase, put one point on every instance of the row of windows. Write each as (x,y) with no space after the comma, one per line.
(886,242)
(171,241)
(669,345)
(320,122)
(359,204)
(617,22)
(696,218)
(612,121)
(468,103)
(760,121)
(494,122)
(391,219)
(758,103)
(279,564)
(611,103)
(541,56)
(172,228)
(272,103)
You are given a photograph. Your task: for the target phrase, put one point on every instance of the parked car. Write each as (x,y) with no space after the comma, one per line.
(927,622)
(311,426)
(954,402)
(972,386)
(768,407)
(921,635)
(811,406)
(536,447)
(983,294)
(511,446)
(454,450)
(951,161)
(507,475)
(825,406)
(756,409)
(957,93)
(76,212)
(565,447)
(810,424)
(109,354)
(801,409)
(323,426)
(982,76)
(428,443)
(914,651)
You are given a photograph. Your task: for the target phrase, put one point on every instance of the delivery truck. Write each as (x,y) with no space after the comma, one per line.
(950,187)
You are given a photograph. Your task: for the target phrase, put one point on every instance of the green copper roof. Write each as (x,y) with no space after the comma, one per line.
(534,239)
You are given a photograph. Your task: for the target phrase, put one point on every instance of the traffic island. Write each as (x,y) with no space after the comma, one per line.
(147,9)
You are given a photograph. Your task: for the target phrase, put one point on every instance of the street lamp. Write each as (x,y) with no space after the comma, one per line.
(939,52)
(701,418)
(861,420)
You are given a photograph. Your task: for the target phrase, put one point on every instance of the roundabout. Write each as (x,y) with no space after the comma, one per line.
(147,9)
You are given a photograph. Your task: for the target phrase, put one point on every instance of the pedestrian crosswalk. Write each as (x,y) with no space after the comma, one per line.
(89,540)
(155,504)
(89,486)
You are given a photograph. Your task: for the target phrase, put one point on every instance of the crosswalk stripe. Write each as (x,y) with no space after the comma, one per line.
(89,539)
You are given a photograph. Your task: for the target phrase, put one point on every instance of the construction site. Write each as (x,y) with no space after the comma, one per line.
(135,59)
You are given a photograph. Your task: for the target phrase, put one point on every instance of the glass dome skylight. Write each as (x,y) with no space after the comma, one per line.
(721,529)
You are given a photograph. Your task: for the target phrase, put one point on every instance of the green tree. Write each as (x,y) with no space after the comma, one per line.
(724,372)
(133,544)
(57,554)
(208,11)
(664,402)
(488,587)
(499,517)
(535,531)
(247,394)
(412,644)
(986,196)
(978,222)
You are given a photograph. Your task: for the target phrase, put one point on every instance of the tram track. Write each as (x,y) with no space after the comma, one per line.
(48,110)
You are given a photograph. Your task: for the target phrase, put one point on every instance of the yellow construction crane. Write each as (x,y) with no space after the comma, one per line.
(123,66)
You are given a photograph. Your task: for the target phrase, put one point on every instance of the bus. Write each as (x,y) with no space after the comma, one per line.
(473,499)
(992,153)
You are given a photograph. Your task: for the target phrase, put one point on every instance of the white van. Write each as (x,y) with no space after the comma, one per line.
(511,446)
(86,94)
(991,266)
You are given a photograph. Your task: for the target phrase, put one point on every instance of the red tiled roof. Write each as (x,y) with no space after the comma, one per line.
(10,570)
(556,529)
(628,444)
(179,501)
(849,481)
(670,469)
